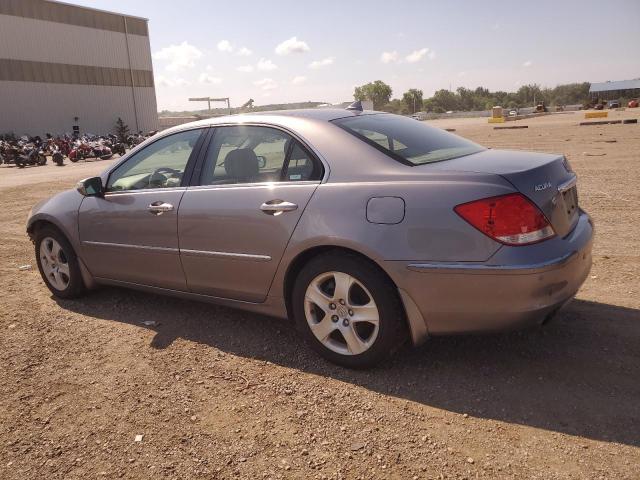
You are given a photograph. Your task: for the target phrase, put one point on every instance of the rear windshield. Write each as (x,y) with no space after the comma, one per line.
(407,140)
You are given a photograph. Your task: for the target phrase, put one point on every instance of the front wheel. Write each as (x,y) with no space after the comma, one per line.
(348,310)
(58,263)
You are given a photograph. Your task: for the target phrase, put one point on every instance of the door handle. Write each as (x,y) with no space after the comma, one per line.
(158,208)
(276,207)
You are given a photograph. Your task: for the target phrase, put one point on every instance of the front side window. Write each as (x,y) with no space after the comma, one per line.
(159,165)
(252,154)
(407,140)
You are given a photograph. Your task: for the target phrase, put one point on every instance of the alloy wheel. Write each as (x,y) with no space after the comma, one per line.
(341,313)
(55,264)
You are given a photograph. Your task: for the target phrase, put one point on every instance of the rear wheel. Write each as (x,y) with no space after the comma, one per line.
(58,263)
(348,310)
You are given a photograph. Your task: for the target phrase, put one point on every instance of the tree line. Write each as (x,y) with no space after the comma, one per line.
(466,99)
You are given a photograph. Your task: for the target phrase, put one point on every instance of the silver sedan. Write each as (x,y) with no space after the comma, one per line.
(366,228)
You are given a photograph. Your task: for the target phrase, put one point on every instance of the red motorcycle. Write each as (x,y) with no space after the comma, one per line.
(80,151)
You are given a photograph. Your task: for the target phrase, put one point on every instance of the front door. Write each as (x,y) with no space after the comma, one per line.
(234,227)
(131,234)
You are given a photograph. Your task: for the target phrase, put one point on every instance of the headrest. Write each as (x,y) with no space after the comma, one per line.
(241,164)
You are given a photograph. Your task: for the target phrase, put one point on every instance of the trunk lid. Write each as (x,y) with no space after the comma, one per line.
(546,179)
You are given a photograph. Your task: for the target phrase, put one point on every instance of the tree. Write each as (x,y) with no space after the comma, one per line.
(445,100)
(413,99)
(122,130)
(378,92)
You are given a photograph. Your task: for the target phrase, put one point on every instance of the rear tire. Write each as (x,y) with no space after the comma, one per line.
(58,263)
(348,310)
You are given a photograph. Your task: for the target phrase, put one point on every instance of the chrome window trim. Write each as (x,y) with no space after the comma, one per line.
(143,191)
(482,268)
(226,255)
(200,188)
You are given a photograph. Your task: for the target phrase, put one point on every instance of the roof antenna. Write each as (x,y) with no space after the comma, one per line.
(357,106)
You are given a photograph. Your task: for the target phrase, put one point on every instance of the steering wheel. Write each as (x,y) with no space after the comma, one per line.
(161,171)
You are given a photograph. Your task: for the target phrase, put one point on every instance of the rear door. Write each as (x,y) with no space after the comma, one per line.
(131,234)
(255,183)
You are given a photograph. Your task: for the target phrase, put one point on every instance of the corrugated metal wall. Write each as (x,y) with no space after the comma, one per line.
(77,37)
(39,108)
(29,39)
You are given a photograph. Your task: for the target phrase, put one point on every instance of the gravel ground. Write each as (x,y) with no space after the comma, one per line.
(217,393)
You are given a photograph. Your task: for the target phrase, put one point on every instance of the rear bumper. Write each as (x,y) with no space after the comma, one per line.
(518,286)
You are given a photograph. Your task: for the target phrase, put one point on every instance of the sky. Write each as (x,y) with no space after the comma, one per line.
(291,51)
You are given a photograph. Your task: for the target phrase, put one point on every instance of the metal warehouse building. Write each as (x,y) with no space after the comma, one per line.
(64,66)
(615,90)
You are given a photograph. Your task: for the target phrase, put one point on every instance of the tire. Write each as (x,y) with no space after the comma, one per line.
(42,160)
(369,289)
(49,258)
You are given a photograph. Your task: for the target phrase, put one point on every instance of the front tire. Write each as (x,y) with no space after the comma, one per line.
(348,310)
(58,263)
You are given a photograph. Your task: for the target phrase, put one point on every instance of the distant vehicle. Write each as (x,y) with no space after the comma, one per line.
(367,228)
(513,113)
(614,104)
(541,107)
(633,103)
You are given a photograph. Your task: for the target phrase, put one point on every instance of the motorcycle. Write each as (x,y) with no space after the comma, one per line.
(31,155)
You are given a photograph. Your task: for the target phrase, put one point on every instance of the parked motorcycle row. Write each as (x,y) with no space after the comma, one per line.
(35,151)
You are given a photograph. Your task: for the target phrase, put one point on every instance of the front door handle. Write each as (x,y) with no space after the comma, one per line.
(276,207)
(158,208)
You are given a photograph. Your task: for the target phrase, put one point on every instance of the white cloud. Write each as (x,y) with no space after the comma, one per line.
(266,65)
(225,46)
(266,84)
(163,81)
(245,68)
(325,62)
(528,63)
(178,57)
(462,74)
(298,80)
(209,79)
(293,45)
(416,55)
(389,57)
(244,52)
(431,55)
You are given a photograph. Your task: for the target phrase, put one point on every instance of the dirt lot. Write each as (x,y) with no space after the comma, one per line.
(224,394)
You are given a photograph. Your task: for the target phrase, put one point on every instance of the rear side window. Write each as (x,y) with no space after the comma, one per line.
(254,154)
(407,140)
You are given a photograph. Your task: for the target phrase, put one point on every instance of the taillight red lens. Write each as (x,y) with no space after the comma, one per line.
(511,219)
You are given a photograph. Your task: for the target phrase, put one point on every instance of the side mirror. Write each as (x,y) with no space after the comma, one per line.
(90,187)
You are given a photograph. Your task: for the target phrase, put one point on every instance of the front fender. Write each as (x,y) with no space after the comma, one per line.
(60,210)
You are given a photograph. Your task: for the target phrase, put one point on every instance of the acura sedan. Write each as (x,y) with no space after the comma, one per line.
(366,228)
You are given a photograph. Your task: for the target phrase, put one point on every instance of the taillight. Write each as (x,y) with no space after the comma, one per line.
(511,219)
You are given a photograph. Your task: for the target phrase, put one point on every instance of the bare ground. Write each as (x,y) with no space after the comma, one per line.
(219,393)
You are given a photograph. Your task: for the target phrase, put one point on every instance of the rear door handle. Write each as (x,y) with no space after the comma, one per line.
(276,207)
(159,207)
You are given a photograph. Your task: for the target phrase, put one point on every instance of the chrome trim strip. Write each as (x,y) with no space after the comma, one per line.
(568,185)
(482,268)
(227,255)
(206,188)
(126,245)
